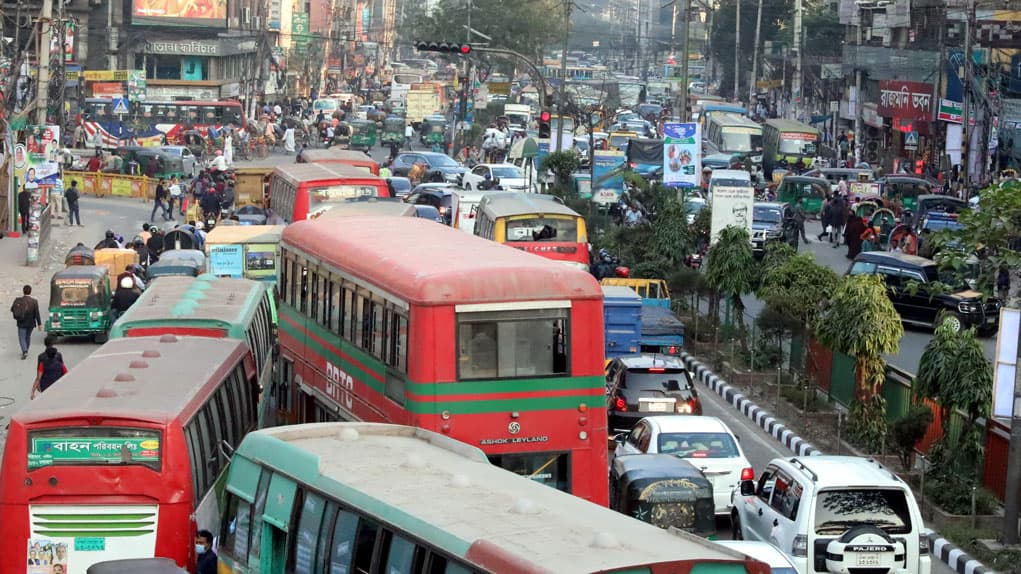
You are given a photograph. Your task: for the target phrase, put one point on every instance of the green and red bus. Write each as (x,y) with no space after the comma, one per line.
(401,320)
(361,497)
(126,455)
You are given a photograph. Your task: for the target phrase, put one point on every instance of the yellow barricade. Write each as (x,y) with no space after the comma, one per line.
(113,184)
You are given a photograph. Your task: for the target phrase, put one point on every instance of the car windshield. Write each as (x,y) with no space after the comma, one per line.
(509,172)
(74,293)
(668,380)
(840,510)
(698,444)
(767,214)
(440,160)
(617,141)
(542,229)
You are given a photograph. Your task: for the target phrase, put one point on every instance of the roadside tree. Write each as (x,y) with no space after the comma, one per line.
(955,374)
(730,268)
(861,322)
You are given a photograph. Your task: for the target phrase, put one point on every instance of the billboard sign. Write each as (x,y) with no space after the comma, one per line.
(905,100)
(682,155)
(731,206)
(210,13)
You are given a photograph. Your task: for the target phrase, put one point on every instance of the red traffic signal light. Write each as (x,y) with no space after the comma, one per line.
(544,116)
(446,47)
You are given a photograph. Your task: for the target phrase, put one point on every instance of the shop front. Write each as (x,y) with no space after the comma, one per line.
(196,68)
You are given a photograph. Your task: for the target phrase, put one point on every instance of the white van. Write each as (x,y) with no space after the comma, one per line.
(467,209)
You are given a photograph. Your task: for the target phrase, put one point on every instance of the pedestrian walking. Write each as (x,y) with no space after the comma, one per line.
(72,195)
(800,217)
(228,148)
(176,196)
(25,310)
(24,207)
(159,201)
(825,217)
(839,219)
(50,367)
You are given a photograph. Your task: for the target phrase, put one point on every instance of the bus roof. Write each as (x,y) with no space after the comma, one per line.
(447,493)
(154,379)
(786,125)
(359,208)
(723,107)
(228,234)
(179,300)
(508,204)
(429,264)
(299,172)
(334,153)
(732,119)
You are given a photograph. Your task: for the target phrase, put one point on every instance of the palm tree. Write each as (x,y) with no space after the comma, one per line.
(731,269)
(861,322)
(955,374)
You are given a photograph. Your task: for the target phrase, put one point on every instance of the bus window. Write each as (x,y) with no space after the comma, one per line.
(542,229)
(523,339)
(231,115)
(365,543)
(210,114)
(302,560)
(401,556)
(343,542)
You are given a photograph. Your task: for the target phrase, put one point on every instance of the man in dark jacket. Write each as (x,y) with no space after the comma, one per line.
(838,218)
(24,207)
(825,216)
(155,245)
(26,312)
(160,201)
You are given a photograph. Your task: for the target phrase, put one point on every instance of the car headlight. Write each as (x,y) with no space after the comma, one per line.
(967,307)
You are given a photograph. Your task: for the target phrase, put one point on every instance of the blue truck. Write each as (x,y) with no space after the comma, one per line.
(622,320)
(660,331)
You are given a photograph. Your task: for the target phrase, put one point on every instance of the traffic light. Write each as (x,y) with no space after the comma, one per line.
(544,128)
(445,47)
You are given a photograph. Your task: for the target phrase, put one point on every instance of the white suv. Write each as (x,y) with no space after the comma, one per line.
(837,514)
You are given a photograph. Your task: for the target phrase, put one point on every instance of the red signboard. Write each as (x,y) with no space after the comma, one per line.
(906,100)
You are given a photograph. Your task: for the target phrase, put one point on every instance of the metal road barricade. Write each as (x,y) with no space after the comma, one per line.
(101,184)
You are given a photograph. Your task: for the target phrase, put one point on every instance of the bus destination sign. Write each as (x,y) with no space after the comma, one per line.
(92,450)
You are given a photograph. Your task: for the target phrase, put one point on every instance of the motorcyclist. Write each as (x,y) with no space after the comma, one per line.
(110,242)
(218,163)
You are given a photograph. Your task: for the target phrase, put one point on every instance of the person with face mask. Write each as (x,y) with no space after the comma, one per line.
(206,561)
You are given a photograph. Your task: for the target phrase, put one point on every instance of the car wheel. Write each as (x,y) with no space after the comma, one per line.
(953,320)
(735,527)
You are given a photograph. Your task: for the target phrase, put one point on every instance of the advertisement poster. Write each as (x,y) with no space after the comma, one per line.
(227,260)
(261,261)
(608,186)
(211,13)
(682,154)
(46,556)
(731,206)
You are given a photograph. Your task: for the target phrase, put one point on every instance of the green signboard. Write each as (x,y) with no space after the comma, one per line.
(299,28)
(92,450)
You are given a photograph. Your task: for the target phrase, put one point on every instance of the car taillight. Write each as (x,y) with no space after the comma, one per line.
(800,545)
(620,404)
(672,351)
(657,370)
(685,408)
(748,473)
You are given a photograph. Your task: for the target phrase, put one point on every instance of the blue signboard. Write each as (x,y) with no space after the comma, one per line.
(226,260)
(608,186)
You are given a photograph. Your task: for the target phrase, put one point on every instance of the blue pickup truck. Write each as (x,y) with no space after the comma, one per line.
(622,320)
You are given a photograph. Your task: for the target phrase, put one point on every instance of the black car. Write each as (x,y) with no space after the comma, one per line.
(961,307)
(399,186)
(638,386)
(429,212)
(772,222)
(439,167)
(931,203)
(438,195)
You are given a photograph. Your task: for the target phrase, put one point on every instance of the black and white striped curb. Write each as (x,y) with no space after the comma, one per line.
(953,556)
(942,549)
(757,414)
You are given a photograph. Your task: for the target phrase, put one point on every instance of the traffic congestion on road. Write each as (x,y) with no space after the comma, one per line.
(435,316)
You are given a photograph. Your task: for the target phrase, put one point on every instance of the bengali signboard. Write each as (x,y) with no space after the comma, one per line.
(907,100)
(227,261)
(45,451)
(206,14)
(682,154)
(950,111)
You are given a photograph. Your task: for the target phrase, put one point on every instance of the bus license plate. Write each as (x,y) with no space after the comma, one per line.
(868,560)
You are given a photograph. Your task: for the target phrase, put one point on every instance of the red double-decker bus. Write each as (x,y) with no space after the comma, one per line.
(536,223)
(121,457)
(305,191)
(401,320)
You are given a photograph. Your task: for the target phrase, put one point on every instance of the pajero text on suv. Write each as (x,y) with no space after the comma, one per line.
(908,279)
(834,514)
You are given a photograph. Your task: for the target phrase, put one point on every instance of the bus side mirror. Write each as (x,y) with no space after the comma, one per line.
(747,488)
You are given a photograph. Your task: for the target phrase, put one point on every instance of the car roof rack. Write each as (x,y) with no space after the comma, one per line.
(797,462)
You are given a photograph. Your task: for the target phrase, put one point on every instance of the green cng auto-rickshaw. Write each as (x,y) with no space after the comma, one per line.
(393,131)
(80,302)
(363,134)
(795,187)
(663,490)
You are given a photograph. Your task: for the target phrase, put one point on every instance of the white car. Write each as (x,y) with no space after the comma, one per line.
(188,159)
(705,442)
(510,177)
(835,514)
(763,552)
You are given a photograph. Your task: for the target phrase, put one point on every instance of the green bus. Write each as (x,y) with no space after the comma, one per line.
(787,141)
(207,306)
(364,497)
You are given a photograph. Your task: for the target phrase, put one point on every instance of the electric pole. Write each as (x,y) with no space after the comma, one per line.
(568,4)
(966,143)
(737,54)
(798,40)
(43,89)
(858,144)
(755,58)
(684,57)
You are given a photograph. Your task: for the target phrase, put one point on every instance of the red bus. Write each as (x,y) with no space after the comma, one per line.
(401,320)
(335,155)
(536,223)
(150,123)
(304,191)
(121,458)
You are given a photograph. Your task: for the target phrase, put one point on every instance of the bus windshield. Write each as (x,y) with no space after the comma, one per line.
(803,144)
(94,446)
(738,140)
(542,229)
(322,198)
